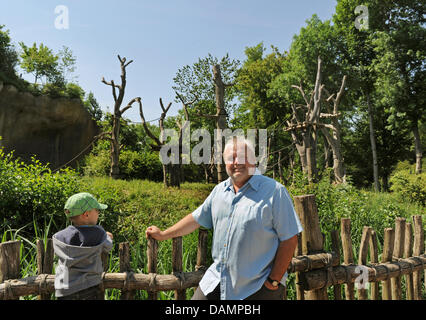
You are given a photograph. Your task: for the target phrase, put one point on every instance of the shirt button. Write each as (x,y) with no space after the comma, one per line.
(224,245)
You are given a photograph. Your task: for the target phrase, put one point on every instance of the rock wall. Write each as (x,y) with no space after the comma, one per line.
(54,130)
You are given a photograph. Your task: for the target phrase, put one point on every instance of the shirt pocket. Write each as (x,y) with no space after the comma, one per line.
(249,218)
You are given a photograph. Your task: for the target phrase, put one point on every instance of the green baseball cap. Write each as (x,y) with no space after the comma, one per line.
(81,202)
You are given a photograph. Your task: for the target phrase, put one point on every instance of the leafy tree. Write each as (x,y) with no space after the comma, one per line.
(401,68)
(43,63)
(8,55)
(40,61)
(195,83)
(67,63)
(207,88)
(356,55)
(93,107)
(261,107)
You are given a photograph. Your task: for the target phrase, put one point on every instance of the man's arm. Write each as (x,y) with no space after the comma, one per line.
(183,227)
(282,260)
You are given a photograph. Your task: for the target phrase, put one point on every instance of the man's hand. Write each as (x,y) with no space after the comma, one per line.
(109,234)
(183,227)
(155,233)
(270,286)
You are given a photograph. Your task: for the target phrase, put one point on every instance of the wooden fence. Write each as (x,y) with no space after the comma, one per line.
(403,255)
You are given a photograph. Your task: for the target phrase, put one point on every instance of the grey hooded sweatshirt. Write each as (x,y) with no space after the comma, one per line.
(79,267)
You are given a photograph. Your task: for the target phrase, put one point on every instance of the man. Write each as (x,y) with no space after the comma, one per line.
(255,231)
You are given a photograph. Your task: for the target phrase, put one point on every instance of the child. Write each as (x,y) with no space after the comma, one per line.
(79,248)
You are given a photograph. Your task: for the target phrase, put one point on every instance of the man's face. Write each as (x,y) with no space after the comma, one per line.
(237,164)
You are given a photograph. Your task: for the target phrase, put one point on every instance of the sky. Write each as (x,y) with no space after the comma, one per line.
(159,36)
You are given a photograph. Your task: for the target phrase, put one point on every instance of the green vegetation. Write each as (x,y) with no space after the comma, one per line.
(32,201)
(381,118)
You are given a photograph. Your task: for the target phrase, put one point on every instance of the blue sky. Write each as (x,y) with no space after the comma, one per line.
(160,36)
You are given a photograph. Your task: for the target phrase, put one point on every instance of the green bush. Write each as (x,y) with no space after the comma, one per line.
(74,91)
(32,197)
(53,90)
(364,208)
(133,165)
(407,184)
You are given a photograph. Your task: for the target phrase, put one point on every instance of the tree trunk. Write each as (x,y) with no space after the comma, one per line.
(373,145)
(338,167)
(165,180)
(327,153)
(418,146)
(115,148)
(221,115)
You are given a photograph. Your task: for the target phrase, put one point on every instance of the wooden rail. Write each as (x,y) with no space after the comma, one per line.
(403,257)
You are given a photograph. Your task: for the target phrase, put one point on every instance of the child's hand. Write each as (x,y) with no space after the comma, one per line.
(109,234)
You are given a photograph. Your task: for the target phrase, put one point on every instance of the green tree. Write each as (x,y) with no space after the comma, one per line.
(261,106)
(8,55)
(67,62)
(300,68)
(356,56)
(39,61)
(400,65)
(93,107)
(195,83)
(207,87)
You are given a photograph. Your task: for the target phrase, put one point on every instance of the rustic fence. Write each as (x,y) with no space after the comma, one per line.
(403,255)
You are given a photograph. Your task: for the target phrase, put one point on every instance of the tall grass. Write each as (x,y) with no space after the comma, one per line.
(134,205)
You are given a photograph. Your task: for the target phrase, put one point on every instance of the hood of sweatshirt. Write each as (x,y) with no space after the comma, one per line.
(78,267)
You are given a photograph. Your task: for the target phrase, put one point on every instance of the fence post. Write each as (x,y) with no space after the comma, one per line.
(408,252)
(419,246)
(10,264)
(151,252)
(312,239)
(337,288)
(362,257)
(374,258)
(202,249)
(388,243)
(44,262)
(348,255)
(177,254)
(300,294)
(398,251)
(124,257)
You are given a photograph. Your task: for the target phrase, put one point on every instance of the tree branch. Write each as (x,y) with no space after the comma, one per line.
(145,126)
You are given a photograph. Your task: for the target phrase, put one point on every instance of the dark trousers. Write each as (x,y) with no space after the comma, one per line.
(92,293)
(262,294)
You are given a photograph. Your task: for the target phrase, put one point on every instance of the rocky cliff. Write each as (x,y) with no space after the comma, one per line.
(55,130)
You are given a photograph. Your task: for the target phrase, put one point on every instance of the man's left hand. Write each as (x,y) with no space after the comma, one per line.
(270,286)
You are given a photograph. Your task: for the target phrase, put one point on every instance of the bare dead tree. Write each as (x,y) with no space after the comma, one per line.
(221,115)
(171,174)
(114,135)
(182,128)
(304,130)
(334,137)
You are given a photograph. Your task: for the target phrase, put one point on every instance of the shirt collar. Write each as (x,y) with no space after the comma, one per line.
(254,181)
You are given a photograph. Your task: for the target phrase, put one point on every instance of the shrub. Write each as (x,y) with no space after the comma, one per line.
(133,165)
(407,184)
(74,91)
(31,196)
(364,208)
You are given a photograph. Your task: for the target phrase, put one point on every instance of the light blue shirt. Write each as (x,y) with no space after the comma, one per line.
(247,229)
